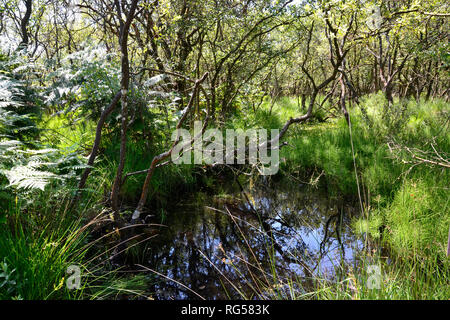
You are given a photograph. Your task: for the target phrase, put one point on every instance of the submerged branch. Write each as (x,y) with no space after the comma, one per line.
(166,154)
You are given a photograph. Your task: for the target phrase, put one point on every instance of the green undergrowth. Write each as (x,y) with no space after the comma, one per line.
(40,238)
(166,180)
(406,204)
(38,241)
(67,135)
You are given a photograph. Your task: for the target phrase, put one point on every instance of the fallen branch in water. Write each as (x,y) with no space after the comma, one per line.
(162,156)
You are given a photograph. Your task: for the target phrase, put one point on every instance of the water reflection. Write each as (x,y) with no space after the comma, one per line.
(224,247)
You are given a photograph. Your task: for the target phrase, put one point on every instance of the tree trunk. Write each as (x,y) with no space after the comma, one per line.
(24,23)
(124,84)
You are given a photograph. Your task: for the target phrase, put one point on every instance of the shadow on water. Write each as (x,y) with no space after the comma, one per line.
(252,244)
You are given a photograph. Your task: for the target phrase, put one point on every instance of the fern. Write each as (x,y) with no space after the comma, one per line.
(18,99)
(29,177)
(85,83)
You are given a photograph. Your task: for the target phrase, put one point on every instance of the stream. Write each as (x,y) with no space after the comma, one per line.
(251,244)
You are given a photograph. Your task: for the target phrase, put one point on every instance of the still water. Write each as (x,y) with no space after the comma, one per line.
(270,240)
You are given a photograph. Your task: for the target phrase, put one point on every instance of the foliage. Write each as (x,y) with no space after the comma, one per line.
(83,85)
(19,103)
(265,63)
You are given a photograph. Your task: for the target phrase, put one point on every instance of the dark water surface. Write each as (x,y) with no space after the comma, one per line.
(228,245)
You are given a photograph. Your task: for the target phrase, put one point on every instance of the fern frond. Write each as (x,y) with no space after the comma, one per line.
(27,177)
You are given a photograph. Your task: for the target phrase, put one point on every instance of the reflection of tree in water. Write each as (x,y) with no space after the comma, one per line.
(302,214)
(294,216)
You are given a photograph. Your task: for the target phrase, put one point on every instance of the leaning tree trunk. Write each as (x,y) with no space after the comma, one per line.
(157,159)
(124,84)
(94,151)
(24,23)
